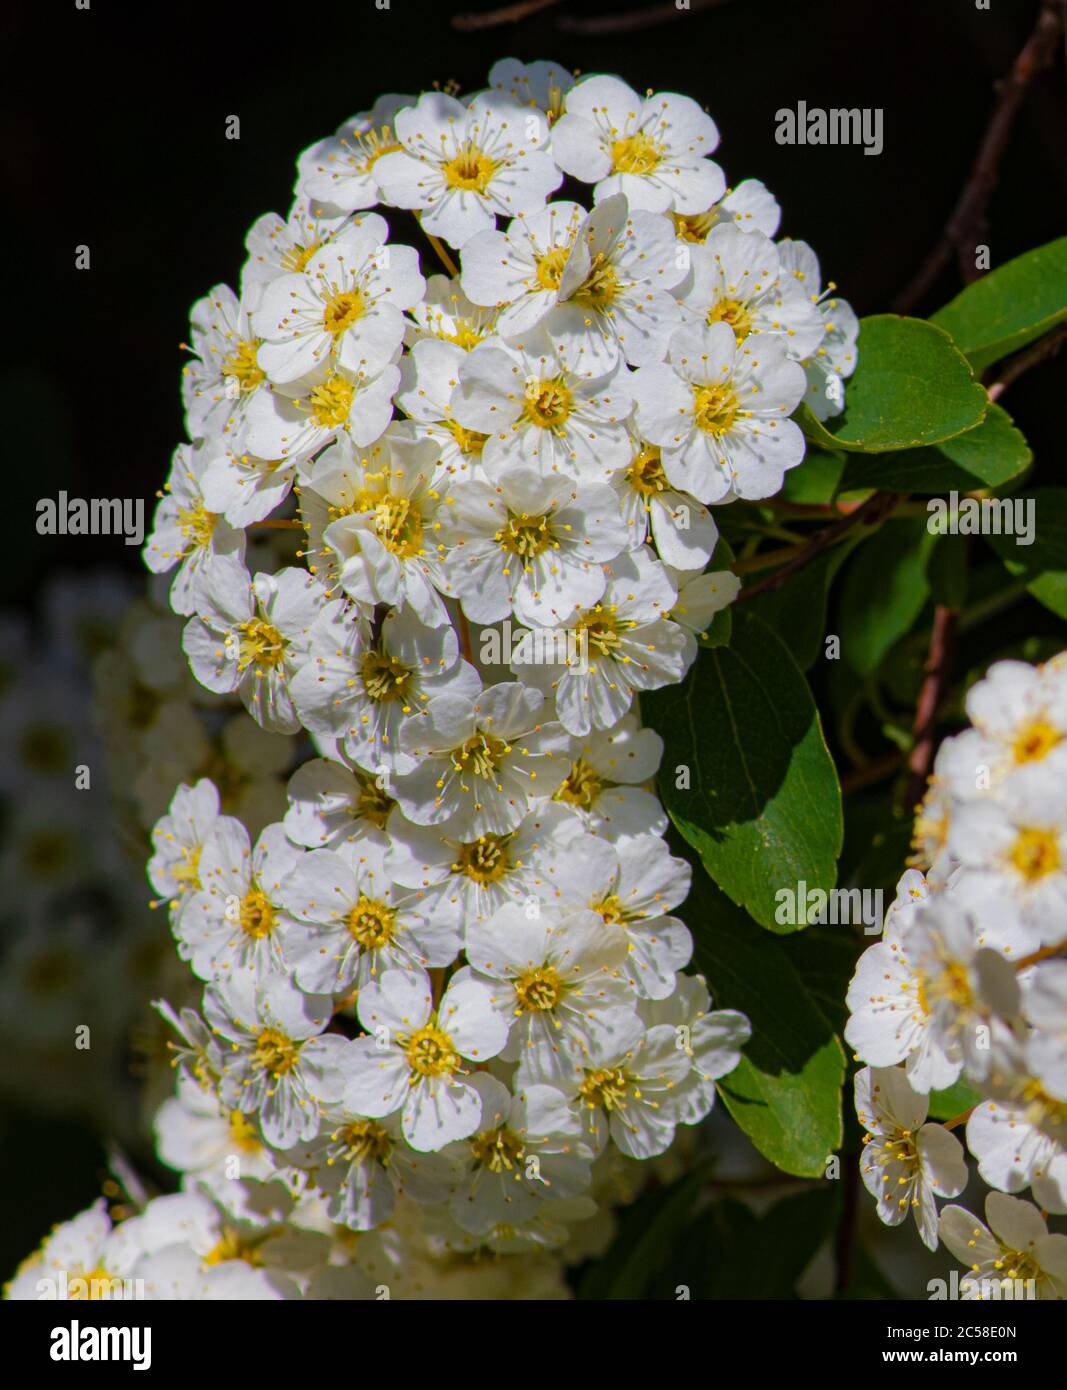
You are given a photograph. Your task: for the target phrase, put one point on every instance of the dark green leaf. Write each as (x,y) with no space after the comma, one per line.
(884,589)
(990,455)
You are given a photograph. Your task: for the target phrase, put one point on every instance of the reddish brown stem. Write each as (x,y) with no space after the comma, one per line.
(931,694)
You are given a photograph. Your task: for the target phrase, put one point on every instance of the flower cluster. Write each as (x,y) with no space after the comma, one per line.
(443,990)
(967,989)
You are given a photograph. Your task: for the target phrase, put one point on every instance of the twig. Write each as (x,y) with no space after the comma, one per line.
(931,693)
(845,1244)
(876,508)
(506,14)
(871,772)
(442,255)
(964,228)
(1045,347)
(634,19)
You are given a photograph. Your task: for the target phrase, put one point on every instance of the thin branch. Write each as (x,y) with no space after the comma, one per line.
(876,508)
(869,773)
(931,695)
(506,14)
(965,227)
(627,22)
(1044,348)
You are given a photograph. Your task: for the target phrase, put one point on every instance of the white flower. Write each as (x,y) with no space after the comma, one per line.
(652,149)
(338,173)
(527,1150)
(361,690)
(712,1039)
(700,597)
(448,316)
(905,1162)
(460,165)
(178,840)
(537,410)
(542,84)
(223,378)
(835,357)
(330,804)
(185,533)
(429,374)
(1012,847)
(559,981)
(362,1166)
(414,1062)
(601,785)
(519,271)
(283,247)
(531,547)
(480,760)
(249,636)
(1016,1245)
(233,923)
(718,412)
(196,1135)
(352,923)
(466,881)
(930,997)
(750,206)
(344,308)
(682,528)
(634,1094)
(1014,1151)
(633,887)
(1045,1008)
(736,278)
(628,645)
(390,548)
(273,1064)
(293,420)
(82,1259)
(244,488)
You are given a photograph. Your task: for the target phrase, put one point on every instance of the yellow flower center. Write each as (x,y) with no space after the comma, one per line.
(600,286)
(1035,854)
(733,312)
(469,441)
(696,226)
(398,525)
(636,154)
(243,1134)
(645,475)
(499,1150)
(547,404)
(485,860)
(1035,741)
(606,1087)
(611,909)
(480,755)
(550,267)
(469,169)
(242,365)
(91,1286)
(364,1141)
(603,631)
(581,786)
(330,401)
(384,678)
(296,258)
(371,922)
(196,524)
(538,991)
(256,915)
(431,1052)
(342,311)
(372,144)
(715,408)
(262,645)
(275,1052)
(372,803)
(232,1246)
(526,536)
(187,872)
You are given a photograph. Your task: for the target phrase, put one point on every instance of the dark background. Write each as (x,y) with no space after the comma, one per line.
(113,136)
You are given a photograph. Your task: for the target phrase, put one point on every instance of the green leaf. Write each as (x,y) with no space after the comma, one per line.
(1009,307)
(814,481)
(884,589)
(786,1091)
(648,1231)
(1043,563)
(953,1101)
(797,611)
(947,571)
(867,1282)
(762,806)
(990,455)
(912,387)
(824,957)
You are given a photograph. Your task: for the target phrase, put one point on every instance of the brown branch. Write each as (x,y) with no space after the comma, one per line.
(1045,347)
(965,227)
(627,22)
(876,508)
(871,772)
(931,694)
(506,14)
